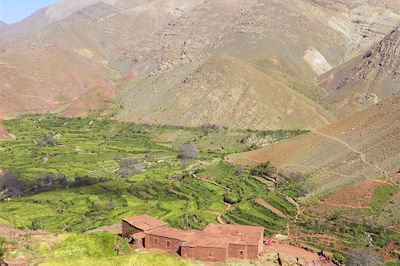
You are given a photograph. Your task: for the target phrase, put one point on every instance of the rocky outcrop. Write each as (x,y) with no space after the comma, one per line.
(380,62)
(369,24)
(366,79)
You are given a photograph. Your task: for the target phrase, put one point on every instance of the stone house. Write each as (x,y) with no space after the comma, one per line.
(217,242)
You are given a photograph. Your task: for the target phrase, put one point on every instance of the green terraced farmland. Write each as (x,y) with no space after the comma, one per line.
(78,174)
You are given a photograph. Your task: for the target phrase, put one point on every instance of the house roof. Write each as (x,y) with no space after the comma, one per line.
(204,239)
(169,232)
(144,222)
(236,234)
(214,235)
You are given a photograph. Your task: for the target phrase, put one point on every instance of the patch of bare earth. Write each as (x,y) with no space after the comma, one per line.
(305,257)
(356,196)
(270,207)
(26,244)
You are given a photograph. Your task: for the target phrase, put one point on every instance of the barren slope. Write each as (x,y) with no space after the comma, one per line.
(227,92)
(358,147)
(47,80)
(365,79)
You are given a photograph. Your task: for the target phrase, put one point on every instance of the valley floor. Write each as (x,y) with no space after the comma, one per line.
(62,178)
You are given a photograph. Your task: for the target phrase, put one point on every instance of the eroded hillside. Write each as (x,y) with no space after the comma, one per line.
(364,145)
(366,79)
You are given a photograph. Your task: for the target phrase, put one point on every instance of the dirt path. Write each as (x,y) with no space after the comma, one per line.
(219,214)
(268,206)
(107,170)
(362,155)
(305,257)
(205,179)
(228,206)
(296,217)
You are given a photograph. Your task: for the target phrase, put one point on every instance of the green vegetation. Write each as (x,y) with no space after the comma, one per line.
(382,195)
(262,64)
(73,175)
(145,259)
(2,249)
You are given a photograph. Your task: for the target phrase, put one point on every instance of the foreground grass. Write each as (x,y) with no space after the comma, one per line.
(98,249)
(139,259)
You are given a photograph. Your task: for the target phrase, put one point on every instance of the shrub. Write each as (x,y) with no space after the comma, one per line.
(209,126)
(264,169)
(363,257)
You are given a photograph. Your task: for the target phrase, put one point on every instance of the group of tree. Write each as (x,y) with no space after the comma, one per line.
(11,186)
(49,140)
(210,127)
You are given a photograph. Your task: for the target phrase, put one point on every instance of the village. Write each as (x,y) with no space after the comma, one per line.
(217,243)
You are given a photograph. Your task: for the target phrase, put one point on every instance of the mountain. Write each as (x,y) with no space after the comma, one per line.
(361,146)
(80,57)
(225,91)
(3,25)
(367,78)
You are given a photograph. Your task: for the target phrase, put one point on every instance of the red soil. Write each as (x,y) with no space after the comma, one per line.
(49,80)
(356,196)
(296,252)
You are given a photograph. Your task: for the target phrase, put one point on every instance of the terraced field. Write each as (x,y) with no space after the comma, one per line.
(74,175)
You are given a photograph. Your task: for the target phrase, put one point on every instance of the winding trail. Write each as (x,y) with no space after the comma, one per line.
(219,215)
(107,170)
(362,155)
(228,206)
(296,217)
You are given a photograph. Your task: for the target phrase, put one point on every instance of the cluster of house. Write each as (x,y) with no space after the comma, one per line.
(217,242)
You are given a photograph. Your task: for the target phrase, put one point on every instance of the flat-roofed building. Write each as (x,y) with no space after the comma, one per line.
(217,242)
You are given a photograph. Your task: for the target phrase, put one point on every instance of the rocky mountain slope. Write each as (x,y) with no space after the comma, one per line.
(361,146)
(65,58)
(225,91)
(366,79)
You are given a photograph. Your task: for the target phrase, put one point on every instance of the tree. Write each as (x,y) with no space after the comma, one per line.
(47,179)
(363,257)
(188,152)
